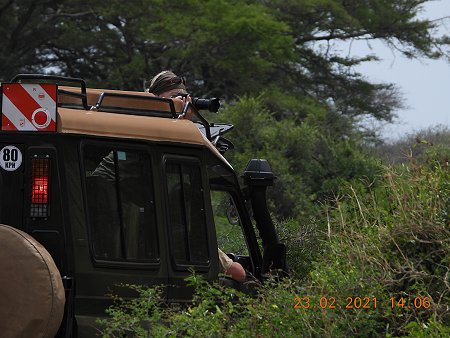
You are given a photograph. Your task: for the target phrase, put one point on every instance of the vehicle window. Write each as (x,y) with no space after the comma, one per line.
(187,214)
(120,203)
(230,237)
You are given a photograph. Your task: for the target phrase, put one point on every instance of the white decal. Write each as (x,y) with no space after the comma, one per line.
(10,158)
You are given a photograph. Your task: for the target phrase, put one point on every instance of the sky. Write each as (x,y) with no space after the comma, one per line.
(424,84)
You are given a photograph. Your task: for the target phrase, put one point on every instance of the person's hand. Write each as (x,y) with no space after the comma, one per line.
(186,99)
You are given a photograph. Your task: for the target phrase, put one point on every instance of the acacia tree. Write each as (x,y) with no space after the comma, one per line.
(320,69)
(26,27)
(226,48)
(283,51)
(222,47)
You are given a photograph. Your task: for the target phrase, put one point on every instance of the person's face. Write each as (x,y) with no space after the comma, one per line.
(172,93)
(176,94)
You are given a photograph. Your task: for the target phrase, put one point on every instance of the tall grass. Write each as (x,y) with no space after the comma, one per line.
(391,239)
(378,265)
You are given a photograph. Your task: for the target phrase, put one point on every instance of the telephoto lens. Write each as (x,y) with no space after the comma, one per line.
(212,104)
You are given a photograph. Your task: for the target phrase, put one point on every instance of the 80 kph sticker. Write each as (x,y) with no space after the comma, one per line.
(10,158)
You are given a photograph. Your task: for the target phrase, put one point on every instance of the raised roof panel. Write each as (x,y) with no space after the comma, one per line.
(71,97)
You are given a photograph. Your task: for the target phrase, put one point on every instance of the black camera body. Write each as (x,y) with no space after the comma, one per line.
(212,104)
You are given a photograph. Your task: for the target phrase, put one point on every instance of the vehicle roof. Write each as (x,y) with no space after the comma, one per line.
(74,119)
(128,126)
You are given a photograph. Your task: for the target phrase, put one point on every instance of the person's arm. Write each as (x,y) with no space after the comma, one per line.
(236,271)
(230,268)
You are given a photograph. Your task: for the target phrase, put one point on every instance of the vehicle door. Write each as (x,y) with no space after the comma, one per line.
(235,232)
(123,241)
(190,227)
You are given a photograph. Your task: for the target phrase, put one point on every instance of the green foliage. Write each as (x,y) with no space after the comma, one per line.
(230,237)
(208,39)
(416,146)
(430,329)
(225,48)
(140,316)
(379,266)
(308,158)
(26,27)
(301,239)
(393,240)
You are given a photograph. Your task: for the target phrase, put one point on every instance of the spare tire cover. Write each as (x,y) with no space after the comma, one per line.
(31,291)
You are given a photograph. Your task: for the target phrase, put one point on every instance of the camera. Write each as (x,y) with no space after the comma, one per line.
(212,104)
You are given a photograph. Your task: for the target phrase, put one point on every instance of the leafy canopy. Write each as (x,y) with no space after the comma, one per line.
(276,64)
(225,48)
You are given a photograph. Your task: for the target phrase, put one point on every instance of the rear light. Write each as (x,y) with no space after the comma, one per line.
(39,192)
(40,187)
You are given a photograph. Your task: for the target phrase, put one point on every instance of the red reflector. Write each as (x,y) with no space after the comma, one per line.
(39,191)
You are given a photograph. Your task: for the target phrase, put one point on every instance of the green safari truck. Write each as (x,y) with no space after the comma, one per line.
(118,187)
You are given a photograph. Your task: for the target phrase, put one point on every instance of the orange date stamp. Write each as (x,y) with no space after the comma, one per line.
(357,302)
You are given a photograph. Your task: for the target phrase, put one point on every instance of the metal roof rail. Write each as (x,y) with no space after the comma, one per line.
(109,102)
(46,77)
(121,103)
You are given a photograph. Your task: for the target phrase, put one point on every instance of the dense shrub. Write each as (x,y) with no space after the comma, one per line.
(414,145)
(377,265)
(310,158)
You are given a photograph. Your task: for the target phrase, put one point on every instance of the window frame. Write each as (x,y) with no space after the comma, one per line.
(171,158)
(244,230)
(226,181)
(114,145)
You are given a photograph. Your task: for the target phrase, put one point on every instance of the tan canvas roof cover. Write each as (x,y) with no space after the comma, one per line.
(80,121)
(130,126)
(133,126)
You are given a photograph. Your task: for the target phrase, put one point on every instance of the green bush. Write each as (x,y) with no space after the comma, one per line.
(141,316)
(392,239)
(308,156)
(414,145)
(376,264)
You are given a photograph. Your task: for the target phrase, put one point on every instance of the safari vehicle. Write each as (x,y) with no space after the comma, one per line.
(119,188)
